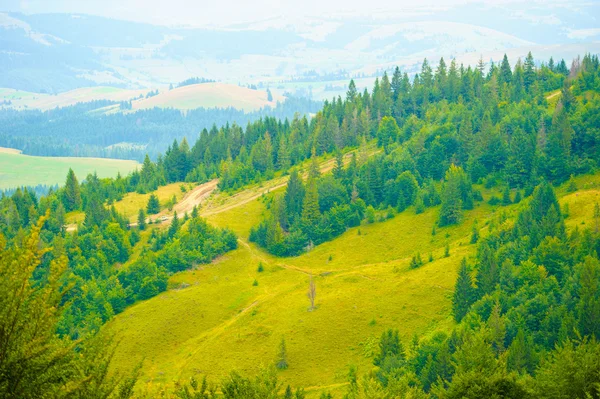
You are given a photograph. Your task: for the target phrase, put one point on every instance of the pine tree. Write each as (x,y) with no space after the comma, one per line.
(389,346)
(141,219)
(464,293)
(498,328)
(281,363)
(71,195)
(505,71)
(174,227)
(294,196)
(153,206)
(597,218)
(310,209)
(452,203)
(506,197)
(588,307)
(283,156)
(475,233)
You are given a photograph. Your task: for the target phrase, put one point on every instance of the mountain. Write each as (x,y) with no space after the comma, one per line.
(58,52)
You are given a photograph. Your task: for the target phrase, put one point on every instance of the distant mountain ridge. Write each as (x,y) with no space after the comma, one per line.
(59,52)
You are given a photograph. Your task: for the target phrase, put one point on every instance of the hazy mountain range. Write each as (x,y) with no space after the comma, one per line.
(58,52)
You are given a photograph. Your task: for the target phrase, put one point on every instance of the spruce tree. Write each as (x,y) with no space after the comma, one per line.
(141,220)
(464,293)
(281,363)
(310,209)
(174,227)
(153,206)
(71,194)
(452,203)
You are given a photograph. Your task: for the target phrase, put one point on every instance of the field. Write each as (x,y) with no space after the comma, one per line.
(23,170)
(24,100)
(207,95)
(213,319)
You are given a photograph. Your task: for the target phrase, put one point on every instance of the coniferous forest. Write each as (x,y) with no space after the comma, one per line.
(526,308)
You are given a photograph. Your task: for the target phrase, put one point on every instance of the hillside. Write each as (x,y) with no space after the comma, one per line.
(213,320)
(18,170)
(209,95)
(205,95)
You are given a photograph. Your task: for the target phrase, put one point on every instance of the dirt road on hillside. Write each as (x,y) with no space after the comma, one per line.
(243,197)
(193,198)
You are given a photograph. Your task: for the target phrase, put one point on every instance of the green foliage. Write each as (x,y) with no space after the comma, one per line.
(71,193)
(153,206)
(141,220)
(33,358)
(456,196)
(464,292)
(281,362)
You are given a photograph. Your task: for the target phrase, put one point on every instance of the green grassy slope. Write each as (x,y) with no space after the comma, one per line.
(24,170)
(213,320)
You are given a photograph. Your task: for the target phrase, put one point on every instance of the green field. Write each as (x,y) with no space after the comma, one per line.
(23,170)
(213,320)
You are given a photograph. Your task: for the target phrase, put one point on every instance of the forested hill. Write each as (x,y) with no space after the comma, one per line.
(525,307)
(96,129)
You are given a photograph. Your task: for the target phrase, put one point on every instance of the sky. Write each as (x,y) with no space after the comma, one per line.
(229,12)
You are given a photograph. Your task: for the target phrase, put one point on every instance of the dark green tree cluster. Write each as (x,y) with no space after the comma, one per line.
(35,361)
(456,124)
(529,319)
(100,286)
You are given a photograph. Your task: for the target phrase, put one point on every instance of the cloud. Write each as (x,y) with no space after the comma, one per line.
(583,33)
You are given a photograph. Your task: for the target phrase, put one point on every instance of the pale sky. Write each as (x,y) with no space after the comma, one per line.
(227,12)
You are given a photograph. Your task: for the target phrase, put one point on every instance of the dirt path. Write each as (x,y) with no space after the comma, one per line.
(187,204)
(275,184)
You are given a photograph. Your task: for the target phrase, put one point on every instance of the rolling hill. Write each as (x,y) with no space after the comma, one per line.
(214,319)
(18,170)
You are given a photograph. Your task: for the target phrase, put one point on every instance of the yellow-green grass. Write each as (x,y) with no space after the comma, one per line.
(24,170)
(221,322)
(131,203)
(213,320)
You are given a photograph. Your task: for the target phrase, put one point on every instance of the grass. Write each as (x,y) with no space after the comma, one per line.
(132,202)
(221,322)
(23,170)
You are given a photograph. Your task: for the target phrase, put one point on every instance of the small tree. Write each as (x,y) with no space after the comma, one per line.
(141,219)
(447,250)
(475,233)
(260,268)
(597,218)
(71,194)
(281,362)
(464,293)
(153,206)
(174,227)
(312,292)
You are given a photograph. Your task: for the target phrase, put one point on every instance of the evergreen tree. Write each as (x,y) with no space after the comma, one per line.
(153,206)
(389,347)
(141,220)
(174,226)
(294,196)
(464,293)
(71,194)
(310,209)
(281,363)
(505,71)
(588,307)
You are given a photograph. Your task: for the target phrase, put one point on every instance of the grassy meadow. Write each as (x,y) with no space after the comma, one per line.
(24,170)
(213,319)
